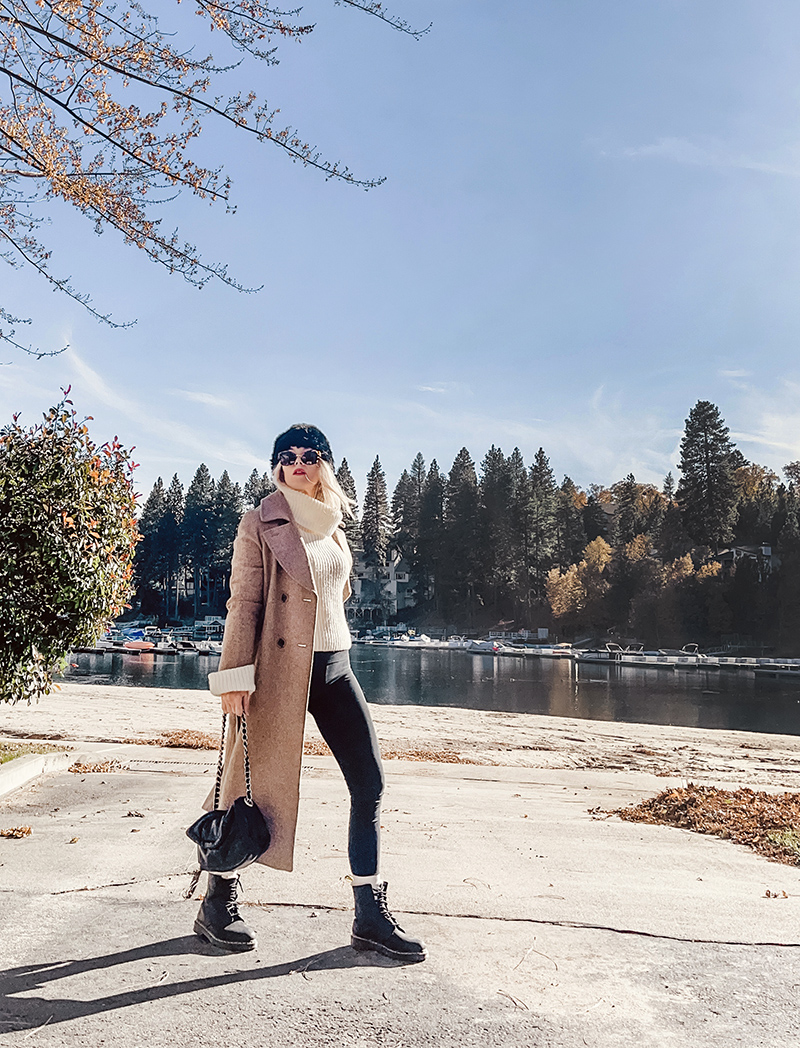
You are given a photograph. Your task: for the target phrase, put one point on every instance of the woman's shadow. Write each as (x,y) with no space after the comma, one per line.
(28,1012)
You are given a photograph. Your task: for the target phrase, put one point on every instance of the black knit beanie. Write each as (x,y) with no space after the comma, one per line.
(301,435)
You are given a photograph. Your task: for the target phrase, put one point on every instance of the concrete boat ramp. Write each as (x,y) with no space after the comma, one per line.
(548,925)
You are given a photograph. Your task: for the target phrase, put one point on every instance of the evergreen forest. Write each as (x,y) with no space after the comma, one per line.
(712,556)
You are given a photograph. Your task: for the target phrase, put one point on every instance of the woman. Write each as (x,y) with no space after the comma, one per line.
(286,649)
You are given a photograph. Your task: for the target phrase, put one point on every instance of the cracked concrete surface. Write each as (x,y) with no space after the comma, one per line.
(546,928)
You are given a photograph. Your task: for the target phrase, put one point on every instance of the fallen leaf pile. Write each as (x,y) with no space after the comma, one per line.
(439,756)
(767,822)
(16,832)
(184,738)
(312,748)
(99,766)
(189,739)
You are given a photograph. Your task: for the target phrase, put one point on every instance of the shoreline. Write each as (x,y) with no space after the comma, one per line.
(443,734)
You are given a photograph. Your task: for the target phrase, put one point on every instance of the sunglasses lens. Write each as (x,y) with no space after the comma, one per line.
(308,458)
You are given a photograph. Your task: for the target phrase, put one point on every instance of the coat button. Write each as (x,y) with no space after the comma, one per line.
(281,642)
(284,598)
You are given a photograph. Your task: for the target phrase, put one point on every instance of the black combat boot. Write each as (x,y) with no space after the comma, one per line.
(376,929)
(218,920)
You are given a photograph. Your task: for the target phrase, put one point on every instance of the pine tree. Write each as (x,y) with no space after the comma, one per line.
(228,509)
(199,528)
(431,534)
(627,522)
(169,539)
(257,487)
(542,524)
(149,561)
(707,490)
(596,522)
(418,474)
(406,504)
(376,525)
(520,529)
(570,534)
(403,517)
(668,487)
(461,536)
(352,528)
(495,489)
(671,540)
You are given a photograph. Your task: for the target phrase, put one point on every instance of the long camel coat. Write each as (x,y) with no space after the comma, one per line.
(270,623)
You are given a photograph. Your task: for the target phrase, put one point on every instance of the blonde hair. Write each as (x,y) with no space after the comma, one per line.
(328,489)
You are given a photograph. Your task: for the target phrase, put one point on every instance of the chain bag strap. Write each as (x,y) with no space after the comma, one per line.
(228,839)
(248,791)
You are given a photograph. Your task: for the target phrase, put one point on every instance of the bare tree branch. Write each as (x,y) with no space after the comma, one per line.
(73,127)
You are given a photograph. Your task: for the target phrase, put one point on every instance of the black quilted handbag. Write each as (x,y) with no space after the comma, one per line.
(228,839)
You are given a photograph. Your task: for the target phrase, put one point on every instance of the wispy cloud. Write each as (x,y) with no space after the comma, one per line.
(457,388)
(201,398)
(169,434)
(735,373)
(709,153)
(600,439)
(773,414)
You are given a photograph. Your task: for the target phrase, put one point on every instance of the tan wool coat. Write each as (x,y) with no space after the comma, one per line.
(270,623)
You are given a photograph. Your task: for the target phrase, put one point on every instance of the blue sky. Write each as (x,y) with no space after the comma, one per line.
(590,221)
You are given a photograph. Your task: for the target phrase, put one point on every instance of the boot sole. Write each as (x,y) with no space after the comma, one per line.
(367,944)
(232,947)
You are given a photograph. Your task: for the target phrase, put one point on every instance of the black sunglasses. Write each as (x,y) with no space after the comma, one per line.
(308,458)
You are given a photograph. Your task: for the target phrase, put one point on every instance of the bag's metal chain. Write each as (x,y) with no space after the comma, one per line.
(248,788)
(248,792)
(219,762)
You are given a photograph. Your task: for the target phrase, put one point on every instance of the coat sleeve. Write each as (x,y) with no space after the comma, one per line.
(245,613)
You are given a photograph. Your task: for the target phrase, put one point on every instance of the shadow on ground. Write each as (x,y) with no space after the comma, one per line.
(30,1012)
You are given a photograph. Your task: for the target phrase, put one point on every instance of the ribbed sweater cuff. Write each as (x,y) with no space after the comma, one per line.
(240,678)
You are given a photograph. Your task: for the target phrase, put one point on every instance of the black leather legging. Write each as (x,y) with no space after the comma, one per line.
(337,704)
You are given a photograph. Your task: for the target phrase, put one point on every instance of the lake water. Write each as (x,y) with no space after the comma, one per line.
(554,687)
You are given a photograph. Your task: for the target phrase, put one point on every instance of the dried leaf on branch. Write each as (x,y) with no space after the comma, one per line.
(101,106)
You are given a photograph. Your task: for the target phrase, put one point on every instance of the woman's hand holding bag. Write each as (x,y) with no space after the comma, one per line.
(236,702)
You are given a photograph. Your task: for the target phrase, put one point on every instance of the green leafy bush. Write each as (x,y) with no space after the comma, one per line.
(67,538)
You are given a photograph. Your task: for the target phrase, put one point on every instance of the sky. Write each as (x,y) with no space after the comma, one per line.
(590,221)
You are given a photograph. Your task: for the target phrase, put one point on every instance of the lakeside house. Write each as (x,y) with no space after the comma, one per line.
(761,556)
(379,591)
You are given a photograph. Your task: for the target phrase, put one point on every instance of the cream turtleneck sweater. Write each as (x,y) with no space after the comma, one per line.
(330,562)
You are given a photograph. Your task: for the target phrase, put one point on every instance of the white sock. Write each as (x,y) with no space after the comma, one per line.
(224,876)
(374,880)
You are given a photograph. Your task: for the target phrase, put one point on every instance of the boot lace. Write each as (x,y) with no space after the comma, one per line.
(232,887)
(383,906)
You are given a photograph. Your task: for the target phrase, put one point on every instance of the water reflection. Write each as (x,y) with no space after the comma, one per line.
(555,687)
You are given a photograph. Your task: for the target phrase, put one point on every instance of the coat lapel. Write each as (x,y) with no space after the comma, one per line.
(284,540)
